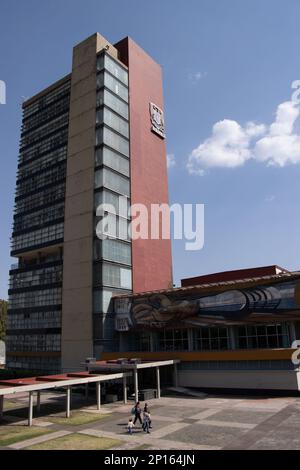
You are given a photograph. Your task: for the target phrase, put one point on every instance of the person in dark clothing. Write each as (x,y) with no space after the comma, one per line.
(146,410)
(137,413)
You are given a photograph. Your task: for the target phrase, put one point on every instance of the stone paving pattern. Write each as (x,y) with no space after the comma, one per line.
(212,422)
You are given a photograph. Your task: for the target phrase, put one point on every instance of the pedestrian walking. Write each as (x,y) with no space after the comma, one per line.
(137,413)
(130,426)
(147,410)
(146,422)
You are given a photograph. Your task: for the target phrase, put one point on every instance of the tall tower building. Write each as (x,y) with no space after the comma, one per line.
(93,136)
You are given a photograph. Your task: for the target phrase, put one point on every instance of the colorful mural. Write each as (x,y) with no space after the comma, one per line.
(196,307)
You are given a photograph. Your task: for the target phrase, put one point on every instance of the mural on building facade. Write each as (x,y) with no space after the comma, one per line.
(197,308)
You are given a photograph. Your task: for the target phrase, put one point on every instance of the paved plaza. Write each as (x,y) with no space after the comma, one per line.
(211,422)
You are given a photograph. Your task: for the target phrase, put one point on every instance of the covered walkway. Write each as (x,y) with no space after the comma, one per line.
(97,372)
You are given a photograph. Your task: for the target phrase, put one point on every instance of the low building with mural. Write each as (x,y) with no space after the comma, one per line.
(229,330)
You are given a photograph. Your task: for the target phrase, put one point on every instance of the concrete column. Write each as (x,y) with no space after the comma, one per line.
(30,409)
(125,389)
(190,340)
(292,331)
(136,384)
(1,405)
(38,401)
(158,382)
(98,392)
(152,341)
(68,401)
(232,342)
(175,375)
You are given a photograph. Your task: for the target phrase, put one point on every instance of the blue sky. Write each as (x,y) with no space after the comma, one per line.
(222,60)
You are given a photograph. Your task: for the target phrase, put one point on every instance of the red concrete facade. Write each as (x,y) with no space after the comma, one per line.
(151,259)
(235,275)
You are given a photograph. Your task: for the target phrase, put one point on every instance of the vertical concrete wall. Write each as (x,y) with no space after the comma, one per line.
(77,310)
(151,259)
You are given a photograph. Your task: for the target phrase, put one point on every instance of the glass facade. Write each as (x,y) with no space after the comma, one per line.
(211,339)
(263,336)
(112,256)
(173,340)
(35,287)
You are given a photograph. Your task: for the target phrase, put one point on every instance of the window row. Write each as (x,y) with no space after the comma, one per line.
(52,158)
(38,298)
(209,339)
(38,237)
(112,250)
(106,80)
(50,195)
(41,179)
(105,116)
(47,145)
(21,321)
(47,99)
(118,204)
(33,343)
(107,157)
(110,275)
(113,140)
(42,131)
(113,227)
(36,277)
(263,336)
(111,180)
(101,300)
(173,340)
(56,109)
(41,217)
(104,97)
(49,364)
(104,61)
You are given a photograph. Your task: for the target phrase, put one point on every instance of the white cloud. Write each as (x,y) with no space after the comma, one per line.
(280,145)
(231,145)
(228,146)
(171,160)
(196,76)
(270,198)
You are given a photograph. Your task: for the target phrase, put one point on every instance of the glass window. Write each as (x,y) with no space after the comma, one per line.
(211,339)
(109,179)
(105,61)
(113,140)
(263,336)
(119,202)
(112,120)
(104,97)
(115,276)
(107,157)
(105,79)
(113,250)
(173,340)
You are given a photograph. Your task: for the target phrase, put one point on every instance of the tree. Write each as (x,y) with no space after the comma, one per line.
(3,317)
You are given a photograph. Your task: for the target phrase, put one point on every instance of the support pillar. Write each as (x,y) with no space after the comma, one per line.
(232,341)
(68,401)
(30,409)
(136,385)
(98,392)
(175,375)
(158,382)
(125,389)
(1,405)
(292,331)
(38,401)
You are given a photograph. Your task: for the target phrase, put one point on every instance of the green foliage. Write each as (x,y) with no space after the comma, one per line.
(3,317)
